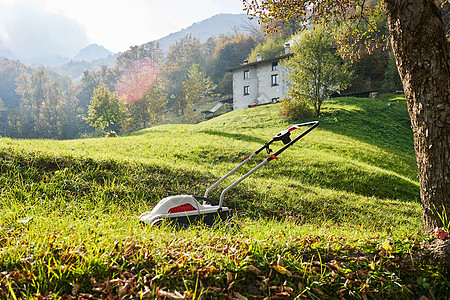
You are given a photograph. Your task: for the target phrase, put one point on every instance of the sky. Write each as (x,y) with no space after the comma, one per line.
(40,27)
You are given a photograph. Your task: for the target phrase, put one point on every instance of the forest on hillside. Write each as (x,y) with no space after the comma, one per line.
(151,86)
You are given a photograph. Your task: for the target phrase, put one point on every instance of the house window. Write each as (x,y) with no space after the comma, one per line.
(274,66)
(246,74)
(275,79)
(246,90)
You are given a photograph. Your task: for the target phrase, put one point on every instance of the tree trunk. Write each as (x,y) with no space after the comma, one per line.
(420,48)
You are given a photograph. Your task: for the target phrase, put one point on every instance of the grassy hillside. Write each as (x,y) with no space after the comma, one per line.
(360,155)
(346,191)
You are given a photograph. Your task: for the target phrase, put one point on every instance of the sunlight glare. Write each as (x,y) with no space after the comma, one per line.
(136,80)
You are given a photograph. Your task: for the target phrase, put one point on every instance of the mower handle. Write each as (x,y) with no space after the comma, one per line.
(283,136)
(266,146)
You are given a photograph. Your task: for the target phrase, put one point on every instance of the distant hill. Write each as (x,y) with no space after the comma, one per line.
(94,56)
(214,26)
(89,58)
(92,52)
(49,60)
(75,68)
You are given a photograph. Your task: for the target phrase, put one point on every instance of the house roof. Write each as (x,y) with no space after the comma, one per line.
(277,58)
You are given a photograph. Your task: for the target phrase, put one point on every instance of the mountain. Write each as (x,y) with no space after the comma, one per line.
(92,52)
(89,58)
(214,26)
(49,60)
(94,56)
(75,68)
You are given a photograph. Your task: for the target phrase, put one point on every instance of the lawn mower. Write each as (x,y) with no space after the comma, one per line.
(184,210)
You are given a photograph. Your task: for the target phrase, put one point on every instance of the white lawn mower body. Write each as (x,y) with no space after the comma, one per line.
(185,209)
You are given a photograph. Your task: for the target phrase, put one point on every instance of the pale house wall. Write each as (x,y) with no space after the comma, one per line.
(239,99)
(267,91)
(261,90)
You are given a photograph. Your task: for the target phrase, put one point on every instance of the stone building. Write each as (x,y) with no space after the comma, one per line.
(259,82)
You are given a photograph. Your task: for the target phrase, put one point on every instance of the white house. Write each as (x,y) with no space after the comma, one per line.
(259,82)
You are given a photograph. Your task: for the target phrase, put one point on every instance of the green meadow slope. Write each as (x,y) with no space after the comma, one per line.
(343,200)
(358,166)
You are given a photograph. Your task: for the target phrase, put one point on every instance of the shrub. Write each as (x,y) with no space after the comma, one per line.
(295,109)
(190,115)
(111,133)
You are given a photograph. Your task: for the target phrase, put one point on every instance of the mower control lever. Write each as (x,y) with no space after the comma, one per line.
(283,136)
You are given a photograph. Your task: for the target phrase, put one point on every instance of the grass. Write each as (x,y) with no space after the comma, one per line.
(337,216)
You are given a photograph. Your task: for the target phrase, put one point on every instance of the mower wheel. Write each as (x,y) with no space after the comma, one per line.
(157,223)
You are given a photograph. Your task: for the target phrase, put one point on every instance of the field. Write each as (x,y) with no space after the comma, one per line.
(337,216)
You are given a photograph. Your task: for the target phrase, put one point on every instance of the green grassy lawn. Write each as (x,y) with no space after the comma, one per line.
(336,216)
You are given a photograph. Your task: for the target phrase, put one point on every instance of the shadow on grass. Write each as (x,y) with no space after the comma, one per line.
(350,178)
(385,124)
(306,205)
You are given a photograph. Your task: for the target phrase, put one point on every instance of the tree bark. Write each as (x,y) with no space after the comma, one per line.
(418,39)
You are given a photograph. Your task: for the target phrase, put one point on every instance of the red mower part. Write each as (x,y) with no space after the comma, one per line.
(182,208)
